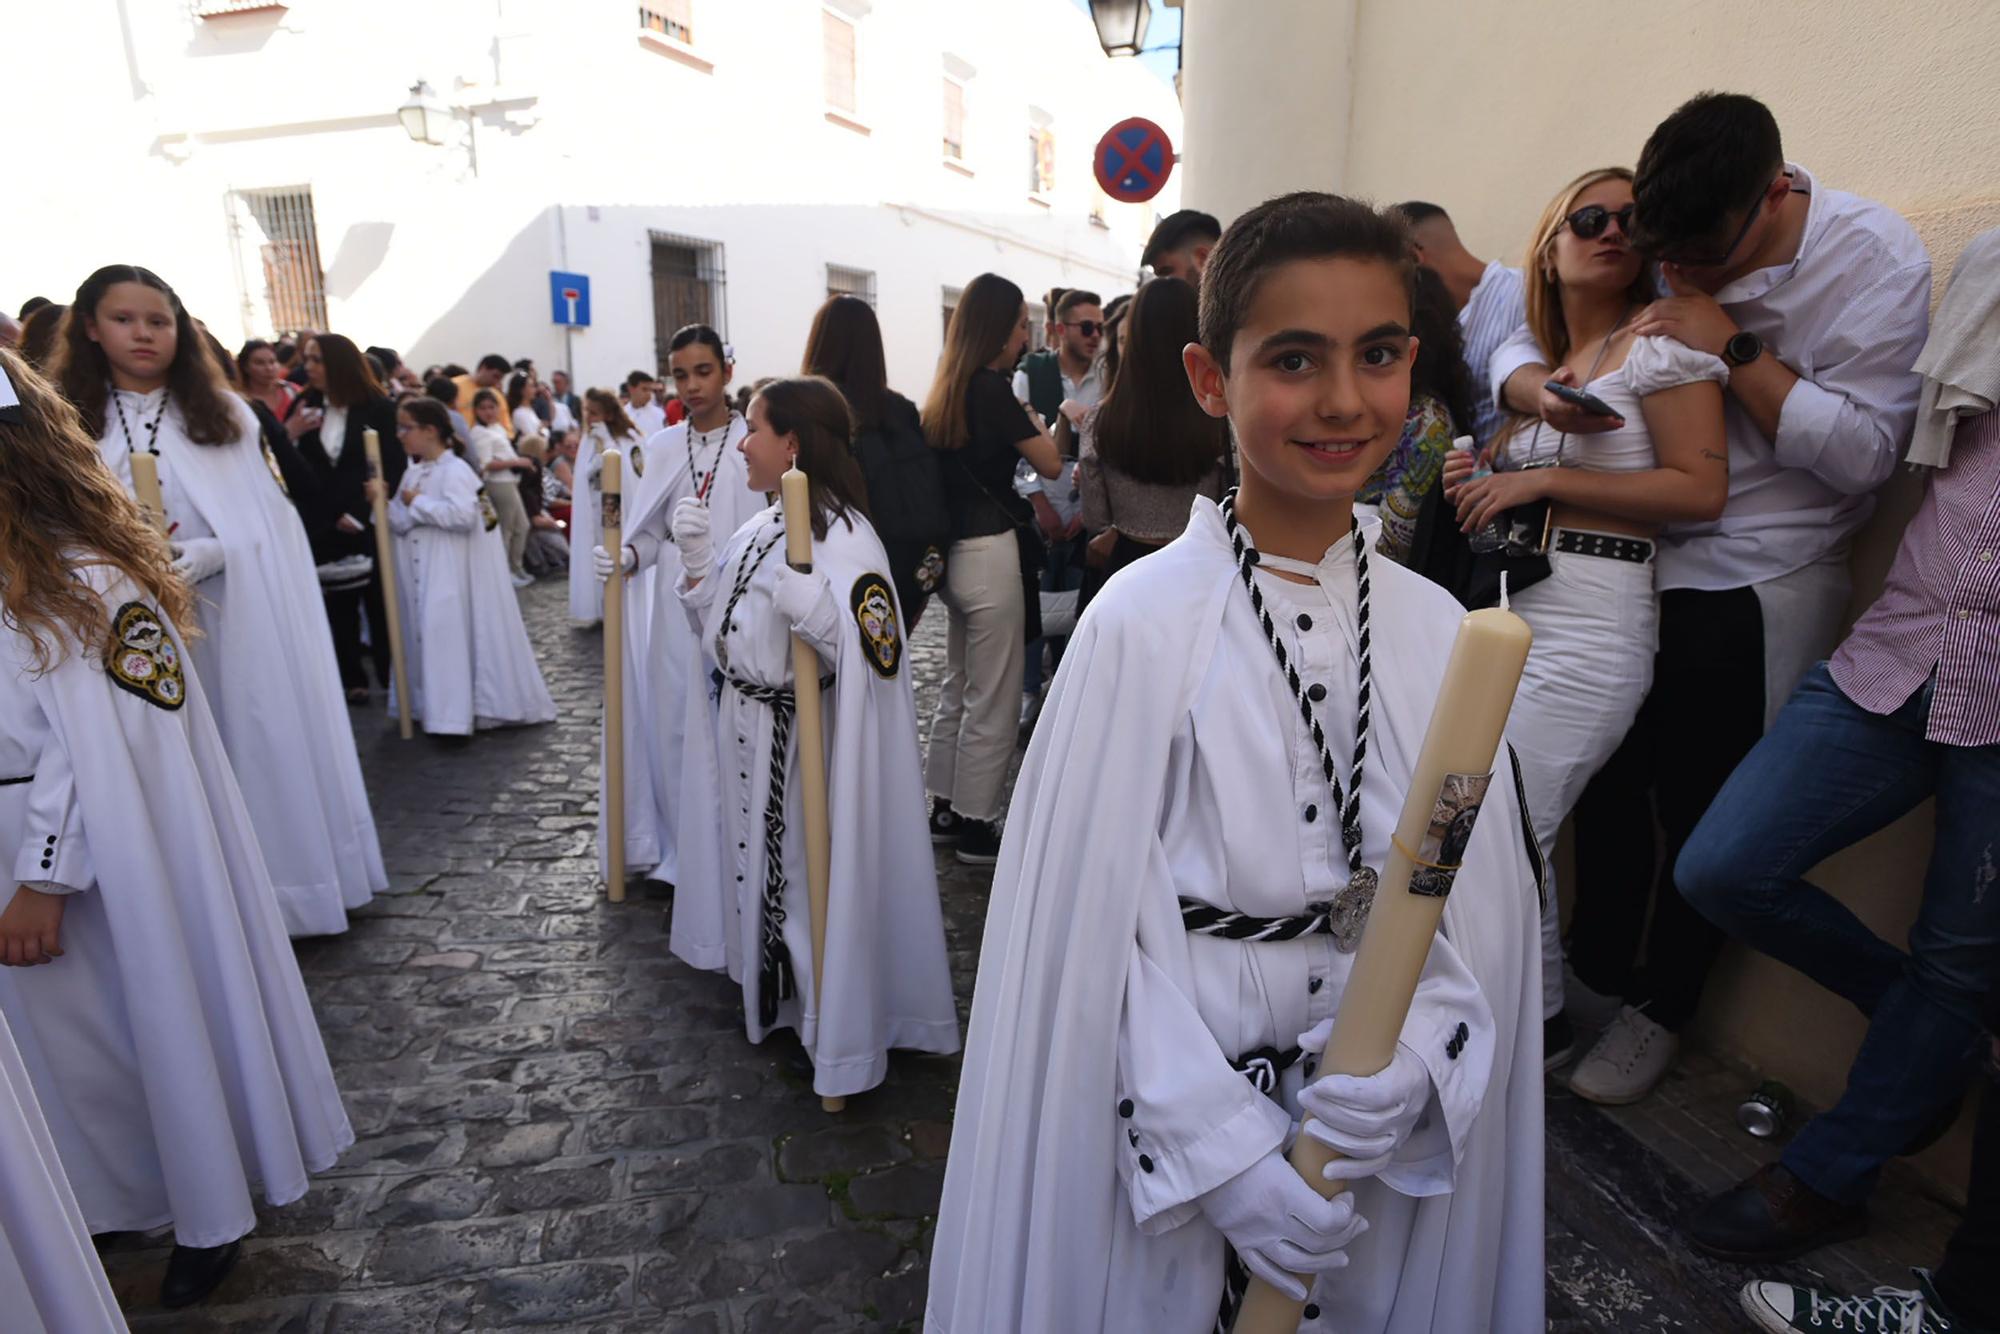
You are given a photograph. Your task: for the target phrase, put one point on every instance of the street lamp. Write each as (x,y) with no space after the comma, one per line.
(424,117)
(1121,25)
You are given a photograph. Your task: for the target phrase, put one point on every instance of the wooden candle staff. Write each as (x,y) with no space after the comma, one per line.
(392,593)
(1450,781)
(146,489)
(811,733)
(613,530)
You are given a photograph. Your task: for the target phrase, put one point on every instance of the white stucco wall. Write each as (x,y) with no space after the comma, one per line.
(585,134)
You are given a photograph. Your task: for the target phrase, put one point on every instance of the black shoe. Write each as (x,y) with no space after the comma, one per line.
(978,842)
(1558,1042)
(1772,1216)
(196,1271)
(944,821)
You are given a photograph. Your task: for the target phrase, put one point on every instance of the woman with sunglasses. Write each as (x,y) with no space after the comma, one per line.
(1596,616)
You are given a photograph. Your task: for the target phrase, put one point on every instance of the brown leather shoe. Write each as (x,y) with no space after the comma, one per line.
(1771,1216)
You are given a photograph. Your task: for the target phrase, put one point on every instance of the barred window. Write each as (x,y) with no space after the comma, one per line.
(280,224)
(843,281)
(689,286)
(669,18)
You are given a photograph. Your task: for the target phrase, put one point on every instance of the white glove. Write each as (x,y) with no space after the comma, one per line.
(198,558)
(690,529)
(1365,1120)
(1280,1226)
(602,560)
(796,595)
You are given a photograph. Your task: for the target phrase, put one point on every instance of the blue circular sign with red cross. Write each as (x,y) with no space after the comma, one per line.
(1134,159)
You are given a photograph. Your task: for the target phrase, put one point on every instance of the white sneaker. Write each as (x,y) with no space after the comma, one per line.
(1628,1061)
(522,580)
(1586,1008)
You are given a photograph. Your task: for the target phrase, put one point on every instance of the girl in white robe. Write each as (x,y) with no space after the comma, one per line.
(50,1279)
(144,381)
(605,426)
(1142,1049)
(470,662)
(887,982)
(697,457)
(153,994)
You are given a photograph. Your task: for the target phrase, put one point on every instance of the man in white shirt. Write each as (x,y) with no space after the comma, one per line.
(646,414)
(1067,372)
(1491,301)
(1818,301)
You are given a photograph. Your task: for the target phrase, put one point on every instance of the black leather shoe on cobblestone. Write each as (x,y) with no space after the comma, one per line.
(1772,1216)
(196,1271)
(978,842)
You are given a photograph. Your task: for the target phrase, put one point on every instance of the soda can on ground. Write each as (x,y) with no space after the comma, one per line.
(1767,1111)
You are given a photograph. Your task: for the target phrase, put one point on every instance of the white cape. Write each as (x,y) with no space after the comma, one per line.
(666,673)
(268,664)
(1036,1230)
(888,982)
(172,1046)
(470,663)
(50,1278)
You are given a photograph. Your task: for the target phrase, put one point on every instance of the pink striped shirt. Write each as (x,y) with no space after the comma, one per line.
(1940,609)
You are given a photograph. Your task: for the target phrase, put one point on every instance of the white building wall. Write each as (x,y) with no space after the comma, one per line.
(587,138)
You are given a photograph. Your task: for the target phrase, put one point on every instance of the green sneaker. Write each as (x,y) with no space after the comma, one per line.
(1784,1308)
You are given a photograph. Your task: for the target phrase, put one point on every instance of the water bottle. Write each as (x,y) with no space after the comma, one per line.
(1493,536)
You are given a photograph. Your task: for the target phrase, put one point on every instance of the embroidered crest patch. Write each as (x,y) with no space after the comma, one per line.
(487,514)
(144,658)
(930,570)
(875,612)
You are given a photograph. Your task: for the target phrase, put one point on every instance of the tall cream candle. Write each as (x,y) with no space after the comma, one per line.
(612,531)
(146,489)
(392,594)
(1449,783)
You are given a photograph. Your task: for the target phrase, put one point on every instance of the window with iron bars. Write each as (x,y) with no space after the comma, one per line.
(689,286)
(287,253)
(669,18)
(843,281)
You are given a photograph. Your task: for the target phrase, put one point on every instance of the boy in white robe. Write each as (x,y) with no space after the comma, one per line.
(1188,857)
(470,662)
(149,983)
(887,980)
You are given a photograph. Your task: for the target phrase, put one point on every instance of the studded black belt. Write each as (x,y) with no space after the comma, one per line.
(1579,542)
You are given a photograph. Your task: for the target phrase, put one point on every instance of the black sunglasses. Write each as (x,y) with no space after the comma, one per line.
(1589,221)
(1088,328)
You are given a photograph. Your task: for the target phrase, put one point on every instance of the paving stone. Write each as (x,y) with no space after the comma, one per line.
(759,1211)
(843,1149)
(637,1225)
(657,1128)
(555,1187)
(450,1250)
(442,1309)
(728,1165)
(909,1191)
(548,1293)
(446,1197)
(851,1252)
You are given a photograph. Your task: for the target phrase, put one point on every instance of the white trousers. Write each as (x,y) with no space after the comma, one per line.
(1596,623)
(977,718)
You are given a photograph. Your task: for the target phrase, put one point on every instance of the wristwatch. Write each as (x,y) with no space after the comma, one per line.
(1743,349)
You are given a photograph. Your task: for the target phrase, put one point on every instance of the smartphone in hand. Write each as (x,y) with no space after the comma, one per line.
(1582,398)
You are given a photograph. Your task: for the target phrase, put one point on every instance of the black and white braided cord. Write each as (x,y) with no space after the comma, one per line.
(1347,802)
(1208,920)
(751,562)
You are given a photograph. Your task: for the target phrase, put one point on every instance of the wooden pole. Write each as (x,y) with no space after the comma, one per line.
(812,741)
(613,532)
(392,593)
(146,489)
(1457,759)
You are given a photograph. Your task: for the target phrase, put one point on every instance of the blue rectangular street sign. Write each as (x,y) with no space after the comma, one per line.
(569,298)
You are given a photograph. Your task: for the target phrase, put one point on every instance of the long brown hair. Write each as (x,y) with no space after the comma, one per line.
(1150,427)
(349,381)
(57,499)
(1544,289)
(194,381)
(39,333)
(810,409)
(982,322)
(611,412)
(845,346)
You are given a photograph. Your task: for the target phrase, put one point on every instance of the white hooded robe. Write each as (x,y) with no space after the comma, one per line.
(266,658)
(888,981)
(470,663)
(1098,1099)
(172,1046)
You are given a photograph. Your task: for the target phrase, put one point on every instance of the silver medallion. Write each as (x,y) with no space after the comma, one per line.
(1350,909)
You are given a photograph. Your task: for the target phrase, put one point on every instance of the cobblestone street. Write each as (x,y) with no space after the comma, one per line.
(561,1126)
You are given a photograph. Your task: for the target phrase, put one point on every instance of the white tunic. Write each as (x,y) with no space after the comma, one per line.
(645,809)
(50,1278)
(1098,1100)
(470,663)
(888,982)
(266,656)
(172,1046)
(586,590)
(675,700)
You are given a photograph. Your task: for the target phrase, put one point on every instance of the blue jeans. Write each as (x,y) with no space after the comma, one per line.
(1828,774)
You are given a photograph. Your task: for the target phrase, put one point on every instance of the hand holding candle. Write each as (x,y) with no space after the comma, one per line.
(385,570)
(1446,789)
(612,488)
(146,489)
